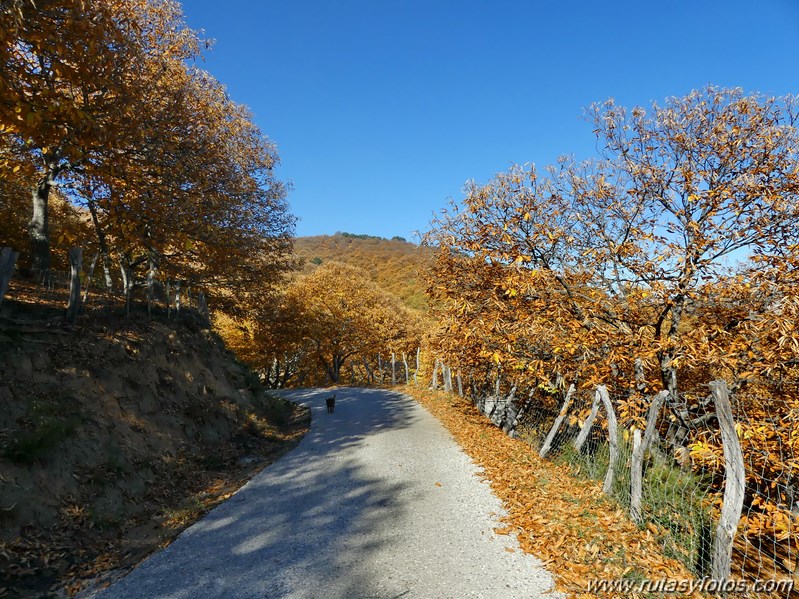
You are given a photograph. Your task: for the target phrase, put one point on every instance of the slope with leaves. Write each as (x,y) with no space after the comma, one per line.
(115,434)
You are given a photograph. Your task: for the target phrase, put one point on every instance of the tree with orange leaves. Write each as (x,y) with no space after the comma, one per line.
(343,315)
(619,251)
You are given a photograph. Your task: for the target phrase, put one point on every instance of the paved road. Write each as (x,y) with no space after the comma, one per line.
(376,501)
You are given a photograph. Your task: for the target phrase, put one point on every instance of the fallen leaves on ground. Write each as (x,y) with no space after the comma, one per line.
(570,525)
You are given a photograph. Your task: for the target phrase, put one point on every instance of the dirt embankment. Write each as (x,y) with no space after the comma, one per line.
(114,435)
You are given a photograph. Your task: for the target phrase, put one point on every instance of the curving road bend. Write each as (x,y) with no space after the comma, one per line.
(377,501)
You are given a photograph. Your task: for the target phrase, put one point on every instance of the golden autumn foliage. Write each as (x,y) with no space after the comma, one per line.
(101,101)
(320,323)
(667,262)
(395,264)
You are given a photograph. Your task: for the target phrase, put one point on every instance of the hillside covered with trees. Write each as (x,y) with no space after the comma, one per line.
(396,265)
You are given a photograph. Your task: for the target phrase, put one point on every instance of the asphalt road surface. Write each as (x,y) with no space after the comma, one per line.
(376,501)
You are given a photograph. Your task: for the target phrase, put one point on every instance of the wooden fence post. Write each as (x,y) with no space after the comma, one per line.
(613,439)
(734,485)
(89,277)
(589,422)
(75,265)
(405,364)
(8,258)
(393,368)
(435,376)
(639,449)
(446,371)
(519,413)
(558,421)
(503,408)
(418,360)
(460,383)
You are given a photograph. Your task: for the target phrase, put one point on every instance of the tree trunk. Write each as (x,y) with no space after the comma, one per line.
(38,226)
(151,274)
(127,281)
(338,362)
(98,230)
(75,265)
(369,372)
(333,368)
(668,371)
(89,277)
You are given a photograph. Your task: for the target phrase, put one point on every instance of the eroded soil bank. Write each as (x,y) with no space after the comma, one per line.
(116,433)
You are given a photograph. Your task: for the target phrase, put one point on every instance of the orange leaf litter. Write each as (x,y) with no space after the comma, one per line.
(570,525)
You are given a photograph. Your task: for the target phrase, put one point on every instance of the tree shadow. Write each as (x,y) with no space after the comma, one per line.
(302,525)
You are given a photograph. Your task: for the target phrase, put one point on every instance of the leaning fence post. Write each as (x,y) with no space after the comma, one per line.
(613,438)
(75,264)
(520,413)
(558,421)
(734,485)
(639,449)
(8,258)
(589,422)
(405,364)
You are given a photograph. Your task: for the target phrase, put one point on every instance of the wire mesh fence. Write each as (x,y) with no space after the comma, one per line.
(671,463)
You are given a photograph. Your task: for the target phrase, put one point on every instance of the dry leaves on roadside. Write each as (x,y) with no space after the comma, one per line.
(570,525)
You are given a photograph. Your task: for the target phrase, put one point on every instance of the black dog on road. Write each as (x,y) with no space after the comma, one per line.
(331,404)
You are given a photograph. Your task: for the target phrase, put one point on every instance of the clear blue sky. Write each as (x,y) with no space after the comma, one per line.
(382,110)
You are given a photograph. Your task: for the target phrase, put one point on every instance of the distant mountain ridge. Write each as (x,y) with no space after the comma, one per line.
(395,264)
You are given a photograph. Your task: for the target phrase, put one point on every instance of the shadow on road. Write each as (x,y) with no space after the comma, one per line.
(302,523)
